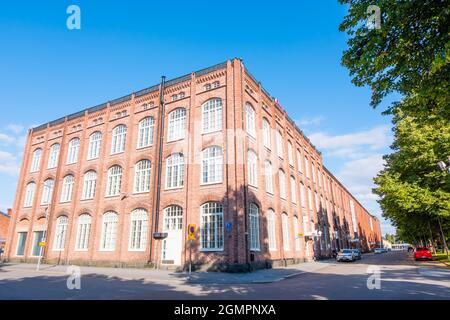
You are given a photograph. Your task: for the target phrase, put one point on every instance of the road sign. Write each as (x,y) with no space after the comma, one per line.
(192,228)
(42,244)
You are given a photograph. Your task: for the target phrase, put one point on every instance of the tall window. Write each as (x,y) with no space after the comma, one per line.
(36,162)
(74,147)
(95,143)
(114,181)
(266,133)
(303,195)
(21,241)
(250,120)
(307,169)
(253,214)
(119,137)
(47,191)
(299,161)
(109,231)
(177,124)
(293,191)
(279,144)
(271,231)
(60,233)
(296,232)
(54,156)
(38,237)
(83,232)
(175,171)
(67,188)
(173,218)
(290,154)
(313,171)
(285,230)
(252,163)
(29,194)
(268,176)
(138,230)
(89,185)
(212,165)
(146,132)
(282,181)
(142,171)
(310,200)
(212,115)
(211,231)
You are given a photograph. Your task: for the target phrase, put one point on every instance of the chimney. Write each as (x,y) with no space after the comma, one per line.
(9,211)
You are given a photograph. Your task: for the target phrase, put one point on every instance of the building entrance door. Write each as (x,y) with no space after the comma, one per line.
(173,244)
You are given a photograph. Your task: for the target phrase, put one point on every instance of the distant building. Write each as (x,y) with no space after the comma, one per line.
(5,219)
(211,148)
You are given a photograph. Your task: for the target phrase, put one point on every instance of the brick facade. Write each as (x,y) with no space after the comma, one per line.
(5,219)
(329,211)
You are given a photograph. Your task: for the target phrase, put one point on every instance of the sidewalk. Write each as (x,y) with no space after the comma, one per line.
(259,276)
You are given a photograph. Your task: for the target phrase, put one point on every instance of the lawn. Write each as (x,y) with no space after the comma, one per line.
(441,256)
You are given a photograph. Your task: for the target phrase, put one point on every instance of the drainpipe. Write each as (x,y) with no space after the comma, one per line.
(160,156)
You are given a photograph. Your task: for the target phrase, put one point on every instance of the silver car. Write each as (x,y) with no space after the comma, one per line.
(345,255)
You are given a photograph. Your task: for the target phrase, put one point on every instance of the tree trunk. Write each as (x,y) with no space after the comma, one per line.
(443,238)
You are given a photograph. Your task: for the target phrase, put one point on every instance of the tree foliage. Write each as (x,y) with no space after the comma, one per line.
(409,55)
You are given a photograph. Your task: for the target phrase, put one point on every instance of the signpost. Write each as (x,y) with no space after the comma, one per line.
(192,228)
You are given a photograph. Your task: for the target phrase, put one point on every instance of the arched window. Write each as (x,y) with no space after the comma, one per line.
(36,161)
(67,188)
(89,185)
(142,171)
(299,161)
(54,156)
(83,232)
(95,143)
(146,132)
(74,147)
(313,172)
(212,115)
(29,194)
(307,167)
(303,195)
(212,165)
(109,231)
(290,154)
(253,215)
(252,164)
(266,133)
(47,191)
(177,124)
(282,182)
(268,176)
(114,181)
(60,233)
(296,234)
(175,171)
(250,120)
(271,231)
(119,137)
(293,190)
(173,218)
(279,144)
(138,230)
(285,230)
(211,230)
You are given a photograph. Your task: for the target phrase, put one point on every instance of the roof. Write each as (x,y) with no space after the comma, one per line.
(5,214)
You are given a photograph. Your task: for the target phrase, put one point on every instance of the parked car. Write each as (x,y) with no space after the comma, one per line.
(379,250)
(423,254)
(357,254)
(345,255)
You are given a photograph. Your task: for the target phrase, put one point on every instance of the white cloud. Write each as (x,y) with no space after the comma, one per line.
(15,128)
(310,121)
(6,139)
(9,164)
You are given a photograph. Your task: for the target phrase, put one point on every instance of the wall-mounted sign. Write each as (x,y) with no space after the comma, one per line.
(228,227)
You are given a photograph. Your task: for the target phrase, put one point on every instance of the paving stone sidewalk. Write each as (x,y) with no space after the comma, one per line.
(259,276)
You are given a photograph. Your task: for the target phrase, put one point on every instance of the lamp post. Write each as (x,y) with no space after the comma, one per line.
(444,167)
(44,234)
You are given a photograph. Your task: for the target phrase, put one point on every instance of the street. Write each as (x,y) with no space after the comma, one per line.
(400,278)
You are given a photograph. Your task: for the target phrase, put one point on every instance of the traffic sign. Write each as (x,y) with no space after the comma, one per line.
(192,228)
(42,244)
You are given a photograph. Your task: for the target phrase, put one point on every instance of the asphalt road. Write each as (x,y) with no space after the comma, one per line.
(393,275)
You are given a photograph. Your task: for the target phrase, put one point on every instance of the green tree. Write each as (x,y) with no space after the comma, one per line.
(410,55)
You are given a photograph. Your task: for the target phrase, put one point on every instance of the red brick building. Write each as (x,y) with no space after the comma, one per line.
(5,219)
(211,148)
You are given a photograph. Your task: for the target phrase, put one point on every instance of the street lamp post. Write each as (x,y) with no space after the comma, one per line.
(44,234)
(444,167)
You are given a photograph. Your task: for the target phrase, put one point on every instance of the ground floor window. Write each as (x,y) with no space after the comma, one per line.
(211,230)
(22,239)
(38,237)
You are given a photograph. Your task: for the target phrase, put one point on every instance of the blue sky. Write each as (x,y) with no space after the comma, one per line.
(293,47)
